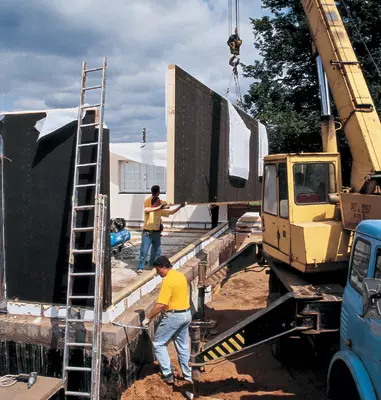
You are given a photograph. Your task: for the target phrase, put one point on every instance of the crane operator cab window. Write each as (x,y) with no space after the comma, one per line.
(313,182)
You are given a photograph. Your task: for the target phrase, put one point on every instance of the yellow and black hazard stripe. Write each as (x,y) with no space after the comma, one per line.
(228,346)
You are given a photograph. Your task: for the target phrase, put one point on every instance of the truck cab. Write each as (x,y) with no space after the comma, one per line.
(355,371)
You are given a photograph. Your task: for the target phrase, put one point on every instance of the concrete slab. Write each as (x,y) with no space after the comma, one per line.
(123,272)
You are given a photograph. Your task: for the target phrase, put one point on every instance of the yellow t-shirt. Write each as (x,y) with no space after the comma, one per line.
(152,220)
(174,291)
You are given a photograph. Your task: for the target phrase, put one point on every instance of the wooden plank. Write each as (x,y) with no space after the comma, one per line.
(171,107)
(43,389)
(198,145)
(37,111)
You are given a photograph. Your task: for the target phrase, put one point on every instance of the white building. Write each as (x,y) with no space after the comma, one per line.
(134,169)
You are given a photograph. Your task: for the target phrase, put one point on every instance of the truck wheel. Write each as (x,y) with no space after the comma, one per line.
(342,385)
(293,351)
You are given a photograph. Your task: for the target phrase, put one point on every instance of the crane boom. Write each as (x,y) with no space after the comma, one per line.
(353,100)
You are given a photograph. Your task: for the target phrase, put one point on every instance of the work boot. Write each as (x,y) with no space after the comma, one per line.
(169,379)
(188,379)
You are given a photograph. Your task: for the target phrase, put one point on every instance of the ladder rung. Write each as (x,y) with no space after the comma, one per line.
(92,87)
(88,125)
(85,229)
(78,394)
(71,320)
(82,251)
(87,185)
(81,297)
(88,144)
(93,164)
(91,106)
(79,344)
(93,69)
(82,274)
(79,369)
(81,208)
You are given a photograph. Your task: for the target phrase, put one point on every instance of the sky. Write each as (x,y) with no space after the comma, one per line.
(44,42)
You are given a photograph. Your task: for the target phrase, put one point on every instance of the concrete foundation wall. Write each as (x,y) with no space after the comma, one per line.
(36,344)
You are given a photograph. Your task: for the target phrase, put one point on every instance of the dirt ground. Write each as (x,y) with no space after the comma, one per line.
(258,376)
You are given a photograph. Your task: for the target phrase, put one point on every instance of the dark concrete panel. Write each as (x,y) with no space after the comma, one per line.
(37,194)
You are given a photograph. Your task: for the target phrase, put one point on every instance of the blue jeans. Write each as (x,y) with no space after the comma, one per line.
(149,239)
(173,326)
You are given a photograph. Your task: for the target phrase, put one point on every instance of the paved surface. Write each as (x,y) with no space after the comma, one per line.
(124,268)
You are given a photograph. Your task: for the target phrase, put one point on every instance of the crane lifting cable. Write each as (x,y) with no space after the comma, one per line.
(234,42)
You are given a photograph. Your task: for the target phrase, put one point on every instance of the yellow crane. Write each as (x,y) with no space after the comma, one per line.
(305,211)
(309,219)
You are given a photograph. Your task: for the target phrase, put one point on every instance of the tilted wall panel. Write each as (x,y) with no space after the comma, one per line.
(198,145)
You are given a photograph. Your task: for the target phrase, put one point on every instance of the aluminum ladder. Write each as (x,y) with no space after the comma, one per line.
(97,230)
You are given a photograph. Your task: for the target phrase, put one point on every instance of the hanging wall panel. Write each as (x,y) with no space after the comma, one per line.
(198,145)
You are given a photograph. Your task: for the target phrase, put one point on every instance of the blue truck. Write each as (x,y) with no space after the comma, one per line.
(355,370)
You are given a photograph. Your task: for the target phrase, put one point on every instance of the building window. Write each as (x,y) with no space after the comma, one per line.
(360,263)
(139,178)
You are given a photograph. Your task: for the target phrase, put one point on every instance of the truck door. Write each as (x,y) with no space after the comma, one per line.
(372,335)
(352,324)
(284,229)
(270,206)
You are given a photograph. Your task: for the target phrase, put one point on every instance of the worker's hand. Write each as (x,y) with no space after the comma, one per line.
(145,323)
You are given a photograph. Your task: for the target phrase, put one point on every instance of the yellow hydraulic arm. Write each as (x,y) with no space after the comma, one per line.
(357,112)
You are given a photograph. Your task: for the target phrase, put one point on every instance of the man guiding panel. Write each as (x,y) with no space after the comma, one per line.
(151,236)
(174,301)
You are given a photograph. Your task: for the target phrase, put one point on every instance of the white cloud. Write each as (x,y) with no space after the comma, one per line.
(45,41)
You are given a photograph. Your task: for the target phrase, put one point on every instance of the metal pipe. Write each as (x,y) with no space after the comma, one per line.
(128,326)
(324,89)
(195,334)
(328,131)
(201,303)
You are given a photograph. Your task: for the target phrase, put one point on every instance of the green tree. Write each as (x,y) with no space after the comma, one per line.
(284,94)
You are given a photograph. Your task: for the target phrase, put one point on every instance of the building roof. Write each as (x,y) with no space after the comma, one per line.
(154,153)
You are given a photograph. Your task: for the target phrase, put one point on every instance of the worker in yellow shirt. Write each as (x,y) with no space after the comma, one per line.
(151,236)
(173,300)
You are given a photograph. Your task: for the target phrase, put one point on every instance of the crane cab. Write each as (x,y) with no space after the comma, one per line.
(301,226)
